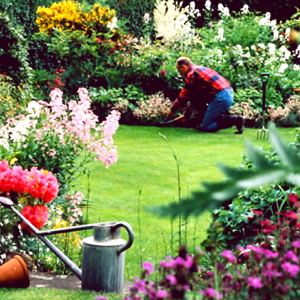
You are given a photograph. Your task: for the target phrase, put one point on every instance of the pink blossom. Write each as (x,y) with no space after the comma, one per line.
(290,255)
(172,279)
(293,198)
(296,244)
(36,215)
(162,294)
(290,268)
(148,267)
(211,293)
(229,255)
(255,282)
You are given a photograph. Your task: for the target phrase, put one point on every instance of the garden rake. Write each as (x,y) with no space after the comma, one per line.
(263,132)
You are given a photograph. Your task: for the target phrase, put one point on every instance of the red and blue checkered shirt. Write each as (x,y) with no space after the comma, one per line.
(200,87)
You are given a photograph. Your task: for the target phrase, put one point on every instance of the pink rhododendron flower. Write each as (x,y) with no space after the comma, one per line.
(42,185)
(36,215)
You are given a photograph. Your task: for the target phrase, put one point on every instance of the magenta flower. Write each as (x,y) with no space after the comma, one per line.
(296,244)
(290,255)
(148,267)
(257,212)
(100,298)
(290,268)
(172,279)
(162,294)
(255,282)
(211,293)
(229,255)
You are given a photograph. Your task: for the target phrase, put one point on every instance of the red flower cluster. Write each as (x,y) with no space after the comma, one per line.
(36,215)
(40,184)
(57,81)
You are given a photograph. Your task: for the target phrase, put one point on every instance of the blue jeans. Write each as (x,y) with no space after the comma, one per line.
(216,108)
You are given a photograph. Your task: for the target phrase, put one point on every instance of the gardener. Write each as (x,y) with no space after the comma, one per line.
(209,94)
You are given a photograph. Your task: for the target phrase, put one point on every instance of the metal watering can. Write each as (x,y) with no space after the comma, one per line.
(103,254)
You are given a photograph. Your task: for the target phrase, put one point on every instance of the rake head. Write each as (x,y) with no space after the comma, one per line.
(262,134)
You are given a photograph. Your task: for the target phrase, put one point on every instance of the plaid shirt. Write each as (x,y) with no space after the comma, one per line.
(200,80)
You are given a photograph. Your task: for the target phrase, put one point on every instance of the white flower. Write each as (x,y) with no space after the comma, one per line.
(220,7)
(282,68)
(146,18)
(296,67)
(262,46)
(208,5)
(4,143)
(275,35)
(245,9)
(272,48)
(220,36)
(112,25)
(268,16)
(34,109)
(226,12)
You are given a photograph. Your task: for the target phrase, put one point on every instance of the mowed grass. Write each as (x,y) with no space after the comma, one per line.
(146,172)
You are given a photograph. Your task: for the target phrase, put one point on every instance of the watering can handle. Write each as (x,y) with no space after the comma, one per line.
(130,235)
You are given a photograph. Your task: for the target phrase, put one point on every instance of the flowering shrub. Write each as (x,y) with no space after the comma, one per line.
(54,134)
(71,15)
(154,110)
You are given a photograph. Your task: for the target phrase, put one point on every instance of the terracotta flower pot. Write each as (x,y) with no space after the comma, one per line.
(14,274)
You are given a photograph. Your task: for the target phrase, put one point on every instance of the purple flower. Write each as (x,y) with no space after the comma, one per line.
(255,282)
(270,254)
(290,268)
(296,244)
(162,294)
(172,279)
(229,255)
(100,298)
(211,293)
(255,248)
(178,261)
(227,277)
(290,255)
(148,267)
(140,284)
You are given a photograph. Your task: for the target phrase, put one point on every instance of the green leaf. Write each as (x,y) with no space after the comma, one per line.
(287,154)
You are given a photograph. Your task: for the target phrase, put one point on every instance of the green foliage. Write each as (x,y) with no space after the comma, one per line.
(131,13)
(13,52)
(123,99)
(12,99)
(266,172)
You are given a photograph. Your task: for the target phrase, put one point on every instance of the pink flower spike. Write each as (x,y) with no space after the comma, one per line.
(255,282)
(229,255)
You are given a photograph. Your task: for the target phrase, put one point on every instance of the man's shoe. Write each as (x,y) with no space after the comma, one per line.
(239,123)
